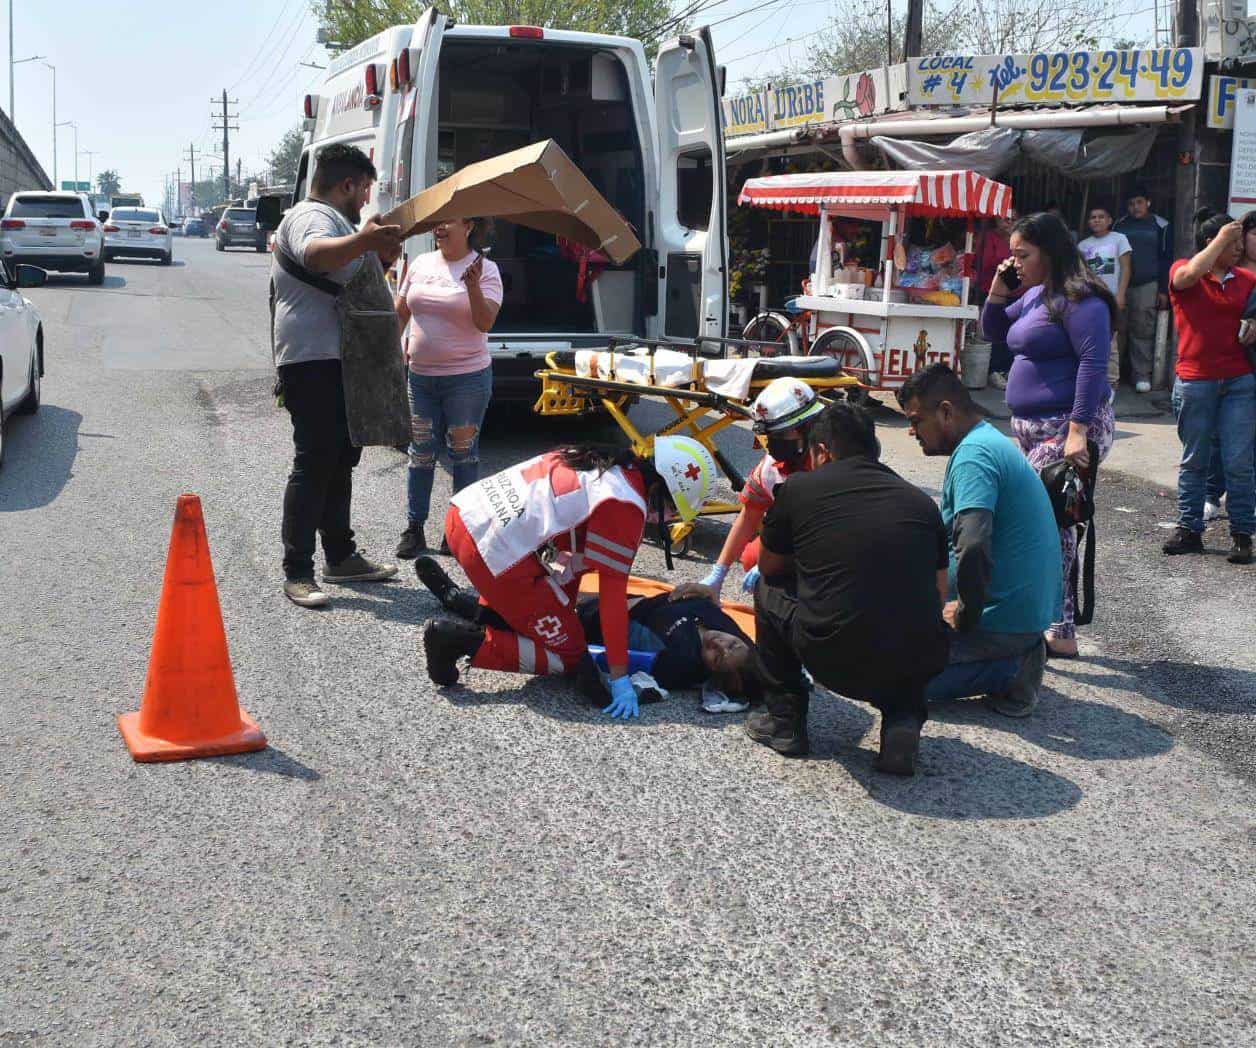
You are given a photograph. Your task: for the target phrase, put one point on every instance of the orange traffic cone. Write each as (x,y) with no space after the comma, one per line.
(190,707)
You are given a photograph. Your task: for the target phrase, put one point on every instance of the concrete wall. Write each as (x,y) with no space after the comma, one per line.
(18,167)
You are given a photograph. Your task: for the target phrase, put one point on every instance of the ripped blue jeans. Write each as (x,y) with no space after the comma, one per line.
(446,414)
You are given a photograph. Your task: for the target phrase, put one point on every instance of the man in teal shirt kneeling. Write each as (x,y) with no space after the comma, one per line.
(1005,577)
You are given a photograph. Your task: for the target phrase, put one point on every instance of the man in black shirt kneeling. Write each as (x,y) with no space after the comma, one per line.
(853,576)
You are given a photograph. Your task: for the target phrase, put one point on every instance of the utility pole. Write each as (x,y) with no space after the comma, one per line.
(912,35)
(239,170)
(91,155)
(192,161)
(226,127)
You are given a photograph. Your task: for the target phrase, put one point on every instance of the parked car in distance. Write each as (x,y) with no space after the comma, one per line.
(138,232)
(194,227)
(176,228)
(238,228)
(53,231)
(21,343)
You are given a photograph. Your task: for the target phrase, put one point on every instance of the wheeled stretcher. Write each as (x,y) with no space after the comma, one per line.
(628,370)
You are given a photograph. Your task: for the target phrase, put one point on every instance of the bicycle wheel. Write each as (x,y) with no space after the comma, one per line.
(774,333)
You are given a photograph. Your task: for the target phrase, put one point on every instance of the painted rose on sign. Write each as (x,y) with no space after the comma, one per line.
(863,104)
(866,95)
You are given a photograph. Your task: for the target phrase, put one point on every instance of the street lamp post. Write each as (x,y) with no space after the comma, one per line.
(71,123)
(91,155)
(17,62)
(55,183)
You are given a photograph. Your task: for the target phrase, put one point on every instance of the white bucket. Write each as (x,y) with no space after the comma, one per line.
(974,365)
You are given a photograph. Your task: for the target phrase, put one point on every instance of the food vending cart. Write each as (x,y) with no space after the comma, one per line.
(884,334)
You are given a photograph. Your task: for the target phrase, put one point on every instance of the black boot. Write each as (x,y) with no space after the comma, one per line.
(1183,540)
(783,725)
(412,543)
(445,641)
(1241,551)
(900,742)
(452,598)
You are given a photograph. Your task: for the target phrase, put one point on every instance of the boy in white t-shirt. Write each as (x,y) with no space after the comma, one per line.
(1108,255)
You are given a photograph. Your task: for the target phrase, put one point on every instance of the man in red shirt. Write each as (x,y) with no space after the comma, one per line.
(1215,390)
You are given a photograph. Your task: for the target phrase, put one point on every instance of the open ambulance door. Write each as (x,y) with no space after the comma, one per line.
(418,118)
(692,221)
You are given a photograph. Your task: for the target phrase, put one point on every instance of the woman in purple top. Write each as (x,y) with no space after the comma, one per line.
(1059,329)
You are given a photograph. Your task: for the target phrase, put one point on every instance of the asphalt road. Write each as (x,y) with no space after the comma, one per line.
(496,864)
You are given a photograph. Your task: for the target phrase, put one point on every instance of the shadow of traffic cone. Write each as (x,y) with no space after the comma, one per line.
(189,707)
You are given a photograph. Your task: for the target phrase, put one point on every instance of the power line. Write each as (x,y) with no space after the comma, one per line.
(257,54)
(279,63)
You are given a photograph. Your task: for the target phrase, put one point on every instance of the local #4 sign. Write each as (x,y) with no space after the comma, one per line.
(1059,78)
(1243,155)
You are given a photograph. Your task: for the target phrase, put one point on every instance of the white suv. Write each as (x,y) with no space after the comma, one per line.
(53,231)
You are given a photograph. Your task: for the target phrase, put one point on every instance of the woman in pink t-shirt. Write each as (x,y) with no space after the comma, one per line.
(449,299)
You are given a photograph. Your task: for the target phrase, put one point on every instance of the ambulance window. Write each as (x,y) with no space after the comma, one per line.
(694,189)
(303,170)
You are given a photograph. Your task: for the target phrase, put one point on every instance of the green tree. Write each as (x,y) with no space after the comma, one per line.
(285,157)
(646,20)
(108,183)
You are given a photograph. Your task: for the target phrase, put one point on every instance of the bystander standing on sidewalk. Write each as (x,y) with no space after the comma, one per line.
(1108,254)
(1215,390)
(995,246)
(1216,473)
(1060,330)
(1151,241)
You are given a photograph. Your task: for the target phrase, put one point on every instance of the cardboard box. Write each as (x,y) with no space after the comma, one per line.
(537,186)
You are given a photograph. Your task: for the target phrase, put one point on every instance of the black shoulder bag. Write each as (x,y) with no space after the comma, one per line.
(1072,495)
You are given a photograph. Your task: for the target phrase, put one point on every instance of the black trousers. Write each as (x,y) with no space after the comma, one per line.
(867,676)
(320,486)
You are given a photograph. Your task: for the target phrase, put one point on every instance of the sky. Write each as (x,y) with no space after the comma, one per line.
(139,86)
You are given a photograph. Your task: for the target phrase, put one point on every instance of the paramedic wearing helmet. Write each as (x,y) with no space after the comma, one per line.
(526,535)
(783,412)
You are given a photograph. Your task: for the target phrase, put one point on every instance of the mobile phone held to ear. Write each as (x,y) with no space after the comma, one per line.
(1007,273)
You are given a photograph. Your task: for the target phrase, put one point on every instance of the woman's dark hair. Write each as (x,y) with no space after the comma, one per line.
(750,681)
(1208,223)
(1249,222)
(602,457)
(1068,275)
(481,233)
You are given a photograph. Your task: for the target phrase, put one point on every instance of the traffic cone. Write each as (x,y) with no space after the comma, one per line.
(189,707)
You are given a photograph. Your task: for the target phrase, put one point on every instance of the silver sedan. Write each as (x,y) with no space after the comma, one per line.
(138,232)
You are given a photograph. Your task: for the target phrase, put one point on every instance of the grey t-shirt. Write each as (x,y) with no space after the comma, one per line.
(307,326)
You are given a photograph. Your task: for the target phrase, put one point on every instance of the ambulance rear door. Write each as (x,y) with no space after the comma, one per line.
(692,236)
(417,148)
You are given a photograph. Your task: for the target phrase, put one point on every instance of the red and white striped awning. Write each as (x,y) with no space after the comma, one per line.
(872,194)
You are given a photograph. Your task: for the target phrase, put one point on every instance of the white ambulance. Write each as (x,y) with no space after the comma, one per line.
(425,100)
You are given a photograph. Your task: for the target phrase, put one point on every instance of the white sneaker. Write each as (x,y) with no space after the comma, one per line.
(1212,510)
(1142,386)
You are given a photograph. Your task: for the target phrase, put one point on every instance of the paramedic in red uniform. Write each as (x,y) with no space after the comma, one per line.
(782,412)
(526,535)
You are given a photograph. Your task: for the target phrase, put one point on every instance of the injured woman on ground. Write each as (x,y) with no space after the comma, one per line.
(682,639)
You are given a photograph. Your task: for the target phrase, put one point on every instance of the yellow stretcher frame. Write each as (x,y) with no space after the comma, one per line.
(566,394)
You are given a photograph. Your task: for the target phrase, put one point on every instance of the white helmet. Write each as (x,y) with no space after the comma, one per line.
(783,404)
(688,471)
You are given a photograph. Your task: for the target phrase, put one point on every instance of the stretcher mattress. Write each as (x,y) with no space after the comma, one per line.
(742,614)
(765,368)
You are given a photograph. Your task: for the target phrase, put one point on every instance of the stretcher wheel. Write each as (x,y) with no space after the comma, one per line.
(853,356)
(775,331)
(682,539)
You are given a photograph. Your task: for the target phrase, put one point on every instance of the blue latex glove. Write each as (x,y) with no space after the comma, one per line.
(715,577)
(623,699)
(752,576)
